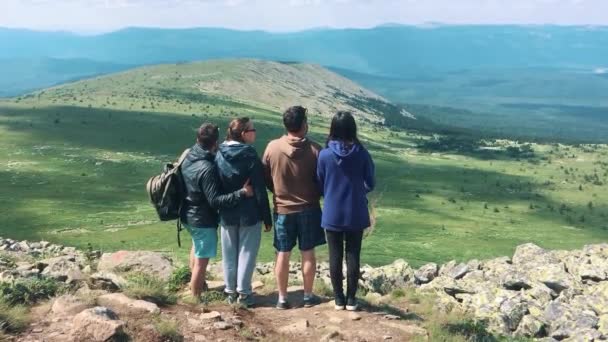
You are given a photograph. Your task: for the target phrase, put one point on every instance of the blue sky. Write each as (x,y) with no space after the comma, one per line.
(291,15)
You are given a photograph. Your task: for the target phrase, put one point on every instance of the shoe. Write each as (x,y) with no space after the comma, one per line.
(283,305)
(310,301)
(246,300)
(340,302)
(232,298)
(351,304)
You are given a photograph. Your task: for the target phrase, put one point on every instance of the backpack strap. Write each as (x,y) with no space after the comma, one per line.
(179,229)
(183,157)
(178,225)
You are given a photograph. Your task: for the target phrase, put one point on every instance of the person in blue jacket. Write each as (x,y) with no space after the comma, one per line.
(345,173)
(238,163)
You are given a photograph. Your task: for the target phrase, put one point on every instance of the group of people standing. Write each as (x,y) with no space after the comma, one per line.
(228,182)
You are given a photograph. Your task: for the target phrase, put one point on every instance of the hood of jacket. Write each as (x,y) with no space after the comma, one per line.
(293,147)
(198,153)
(235,159)
(343,151)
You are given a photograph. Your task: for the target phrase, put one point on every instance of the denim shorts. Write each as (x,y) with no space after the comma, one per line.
(204,241)
(303,227)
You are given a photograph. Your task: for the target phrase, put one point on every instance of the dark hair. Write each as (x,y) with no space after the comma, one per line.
(293,118)
(207,135)
(236,128)
(343,128)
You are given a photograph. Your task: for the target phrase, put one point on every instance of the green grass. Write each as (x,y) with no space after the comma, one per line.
(149,288)
(76,160)
(29,291)
(13,318)
(168,330)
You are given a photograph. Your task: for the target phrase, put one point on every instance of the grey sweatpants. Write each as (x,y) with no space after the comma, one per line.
(240,246)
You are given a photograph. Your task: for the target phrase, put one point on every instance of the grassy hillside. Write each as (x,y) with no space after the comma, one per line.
(75,159)
(555,104)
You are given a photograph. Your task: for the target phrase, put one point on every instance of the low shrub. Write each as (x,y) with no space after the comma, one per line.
(149,288)
(29,291)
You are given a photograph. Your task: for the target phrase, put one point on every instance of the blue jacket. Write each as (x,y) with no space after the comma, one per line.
(346,174)
(237,162)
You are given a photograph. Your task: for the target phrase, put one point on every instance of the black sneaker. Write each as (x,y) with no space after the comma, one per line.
(232,298)
(310,301)
(340,302)
(283,305)
(351,304)
(246,300)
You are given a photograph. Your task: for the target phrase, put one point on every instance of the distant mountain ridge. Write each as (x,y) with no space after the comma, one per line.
(384,50)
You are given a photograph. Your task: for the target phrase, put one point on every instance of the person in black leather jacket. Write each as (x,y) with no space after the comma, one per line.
(204,196)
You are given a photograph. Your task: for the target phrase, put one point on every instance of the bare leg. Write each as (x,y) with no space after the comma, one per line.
(309,269)
(192,258)
(198,276)
(281,272)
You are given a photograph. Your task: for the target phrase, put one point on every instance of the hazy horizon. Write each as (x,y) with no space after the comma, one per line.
(101,16)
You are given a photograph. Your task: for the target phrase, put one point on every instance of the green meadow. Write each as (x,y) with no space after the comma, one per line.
(74,161)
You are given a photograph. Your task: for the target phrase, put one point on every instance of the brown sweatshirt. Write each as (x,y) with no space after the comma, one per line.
(290,166)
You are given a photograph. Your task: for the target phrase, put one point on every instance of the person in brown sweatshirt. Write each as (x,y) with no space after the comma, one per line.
(290,165)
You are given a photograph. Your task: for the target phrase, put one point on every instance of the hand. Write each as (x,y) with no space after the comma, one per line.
(248,189)
(267,227)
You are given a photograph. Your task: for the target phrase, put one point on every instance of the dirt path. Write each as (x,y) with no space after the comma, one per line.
(263,323)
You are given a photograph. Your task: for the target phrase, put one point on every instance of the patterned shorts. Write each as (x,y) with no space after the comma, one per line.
(303,227)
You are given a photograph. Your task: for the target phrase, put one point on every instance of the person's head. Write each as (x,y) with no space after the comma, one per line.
(343,128)
(241,130)
(207,136)
(295,120)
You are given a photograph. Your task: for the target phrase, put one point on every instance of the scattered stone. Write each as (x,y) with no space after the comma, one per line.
(62,268)
(120,302)
(68,305)
(384,279)
(138,261)
(392,317)
(107,281)
(257,285)
(222,325)
(211,316)
(387,337)
(96,324)
(426,273)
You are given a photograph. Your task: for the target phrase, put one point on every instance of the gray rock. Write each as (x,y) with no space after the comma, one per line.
(222,325)
(63,268)
(426,273)
(96,324)
(459,271)
(138,261)
(122,303)
(384,279)
(107,281)
(530,253)
(68,305)
(513,310)
(529,326)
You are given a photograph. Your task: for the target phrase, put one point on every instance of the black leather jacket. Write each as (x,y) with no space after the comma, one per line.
(204,194)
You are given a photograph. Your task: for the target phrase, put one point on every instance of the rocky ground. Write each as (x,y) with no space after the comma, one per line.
(548,295)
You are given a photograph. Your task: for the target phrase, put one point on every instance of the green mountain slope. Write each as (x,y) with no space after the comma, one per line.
(74,160)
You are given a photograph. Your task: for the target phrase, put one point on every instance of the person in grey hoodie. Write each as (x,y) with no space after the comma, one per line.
(237,163)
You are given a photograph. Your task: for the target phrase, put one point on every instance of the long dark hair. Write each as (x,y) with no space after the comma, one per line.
(343,128)
(236,128)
